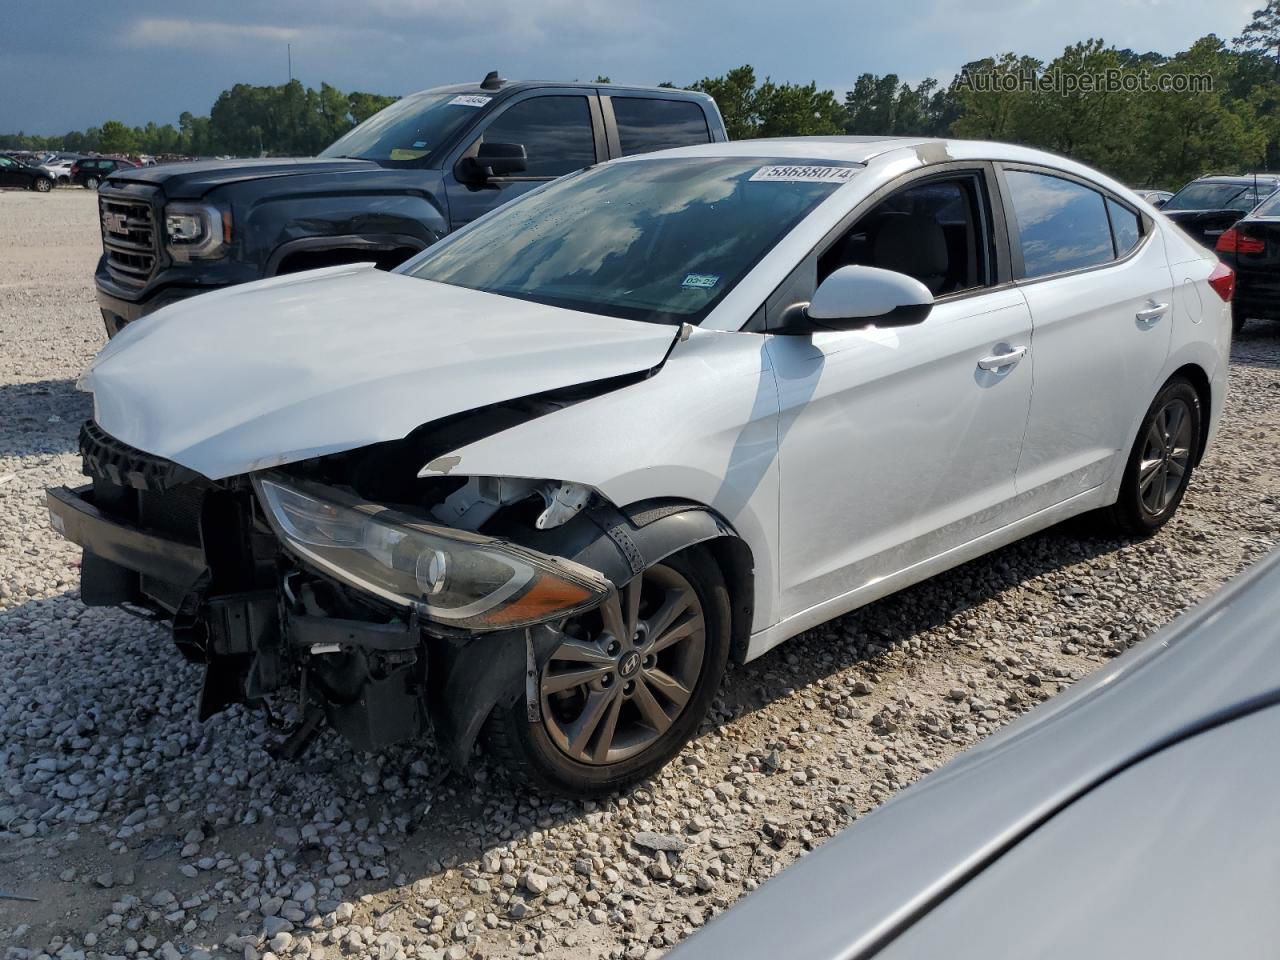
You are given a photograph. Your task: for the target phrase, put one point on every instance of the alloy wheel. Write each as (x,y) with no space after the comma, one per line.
(624,674)
(1166,456)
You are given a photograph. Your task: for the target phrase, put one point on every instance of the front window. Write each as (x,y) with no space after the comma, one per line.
(1213,196)
(658,240)
(410,131)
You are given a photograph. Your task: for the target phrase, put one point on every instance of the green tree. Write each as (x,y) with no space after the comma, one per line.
(1262,34)
(115,137)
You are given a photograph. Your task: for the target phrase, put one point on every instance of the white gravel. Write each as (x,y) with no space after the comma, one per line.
(141,833)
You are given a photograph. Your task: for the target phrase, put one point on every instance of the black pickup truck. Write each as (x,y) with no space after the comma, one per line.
(392,186)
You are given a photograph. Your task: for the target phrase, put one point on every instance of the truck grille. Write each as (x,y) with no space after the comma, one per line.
(130,239)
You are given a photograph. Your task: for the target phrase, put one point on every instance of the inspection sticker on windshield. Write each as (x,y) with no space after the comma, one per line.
(469,100)
(704,281)
(806,174)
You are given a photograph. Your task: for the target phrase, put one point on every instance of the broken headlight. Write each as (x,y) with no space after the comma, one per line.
(453,577)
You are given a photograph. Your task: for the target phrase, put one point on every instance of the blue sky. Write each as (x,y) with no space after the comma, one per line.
(68,64)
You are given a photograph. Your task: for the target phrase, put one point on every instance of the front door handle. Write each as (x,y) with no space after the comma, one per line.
(999,361)
(1152,313)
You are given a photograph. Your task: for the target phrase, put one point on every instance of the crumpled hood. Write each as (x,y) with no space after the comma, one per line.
(309,364)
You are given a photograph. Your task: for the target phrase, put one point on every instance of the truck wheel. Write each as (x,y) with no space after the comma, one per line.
(623,693)
(91,183)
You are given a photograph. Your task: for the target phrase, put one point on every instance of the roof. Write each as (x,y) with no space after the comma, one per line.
(1244,178)
(509,87)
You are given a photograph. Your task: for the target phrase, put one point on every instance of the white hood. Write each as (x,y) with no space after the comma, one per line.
(299,366)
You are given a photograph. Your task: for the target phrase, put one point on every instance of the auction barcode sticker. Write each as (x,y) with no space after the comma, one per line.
(806,174)
(469,100)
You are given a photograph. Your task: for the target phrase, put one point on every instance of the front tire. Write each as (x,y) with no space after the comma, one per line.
(91,183)
(1161,462)
(628,686)
(42,185)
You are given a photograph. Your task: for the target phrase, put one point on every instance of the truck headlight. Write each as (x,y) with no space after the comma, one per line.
(453,577)
(196,230)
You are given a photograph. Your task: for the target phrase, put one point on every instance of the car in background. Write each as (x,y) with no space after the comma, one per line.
(14,173)
(1207,206)
(544,479)
(59,170)
(89,172)
(1251,247)
(412,173)
(1157,198)
(1133,815)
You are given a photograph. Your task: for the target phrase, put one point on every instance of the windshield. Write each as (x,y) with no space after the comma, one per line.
(1214,196)
(659,240)
(410,131)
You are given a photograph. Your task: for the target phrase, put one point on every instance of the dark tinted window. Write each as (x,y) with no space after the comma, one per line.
(555,131)
(1218,195)
(1062,225)
(931,231)
(645,124)
(1125,226)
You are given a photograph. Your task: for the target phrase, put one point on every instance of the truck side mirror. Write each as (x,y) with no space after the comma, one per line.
(494,160)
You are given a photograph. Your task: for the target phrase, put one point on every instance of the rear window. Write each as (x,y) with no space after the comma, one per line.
(1269,207)
(1215,196)
(645,124)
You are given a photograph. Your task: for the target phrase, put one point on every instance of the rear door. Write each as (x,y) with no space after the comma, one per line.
(642,122)
(1097,280)
(561,131)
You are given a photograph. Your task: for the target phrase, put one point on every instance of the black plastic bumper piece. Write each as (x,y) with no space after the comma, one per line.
(117,552)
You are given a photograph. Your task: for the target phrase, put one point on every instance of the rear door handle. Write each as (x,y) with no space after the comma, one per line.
(998,361)
(1153,313)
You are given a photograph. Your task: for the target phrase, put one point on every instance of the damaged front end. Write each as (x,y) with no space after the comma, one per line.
(383,601)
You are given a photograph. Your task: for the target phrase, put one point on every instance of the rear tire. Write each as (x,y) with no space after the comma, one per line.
(91,183)
(42,185)
(1160,464)
(559,753)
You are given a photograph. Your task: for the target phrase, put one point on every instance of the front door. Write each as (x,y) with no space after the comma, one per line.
(561,132)
(898,444)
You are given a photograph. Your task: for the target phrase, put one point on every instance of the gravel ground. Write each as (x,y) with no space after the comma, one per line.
(141,833)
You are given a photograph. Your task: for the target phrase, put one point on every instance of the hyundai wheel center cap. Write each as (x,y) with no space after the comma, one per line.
(629,664)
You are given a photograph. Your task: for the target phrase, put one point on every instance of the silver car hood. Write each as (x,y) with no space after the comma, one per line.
(309,364)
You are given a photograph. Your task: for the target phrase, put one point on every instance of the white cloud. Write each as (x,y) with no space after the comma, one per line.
(173,32)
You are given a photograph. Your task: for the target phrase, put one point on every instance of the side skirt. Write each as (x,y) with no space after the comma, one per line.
(765,640)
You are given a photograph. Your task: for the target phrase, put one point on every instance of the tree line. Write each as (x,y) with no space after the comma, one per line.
(1144,123)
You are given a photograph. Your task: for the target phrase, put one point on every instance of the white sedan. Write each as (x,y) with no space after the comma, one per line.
(543,481)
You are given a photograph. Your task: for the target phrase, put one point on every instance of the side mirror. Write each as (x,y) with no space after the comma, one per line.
(1159,202)
(494,160)
(856,296)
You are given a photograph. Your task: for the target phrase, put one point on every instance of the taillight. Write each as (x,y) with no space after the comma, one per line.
(1223,281)
(1233,241)
(75,168)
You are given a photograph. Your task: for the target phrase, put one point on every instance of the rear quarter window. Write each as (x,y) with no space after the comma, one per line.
(646,124)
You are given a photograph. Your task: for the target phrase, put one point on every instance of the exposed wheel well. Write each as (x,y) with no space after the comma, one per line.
(733,556)
(314,259)
(1198,379)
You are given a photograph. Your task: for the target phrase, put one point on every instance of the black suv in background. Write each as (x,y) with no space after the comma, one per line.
(1205,207)
(89,172)
(392,186)
(15,173)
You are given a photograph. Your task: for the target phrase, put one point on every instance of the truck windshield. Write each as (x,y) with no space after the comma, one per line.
(659,240)
(410,131)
